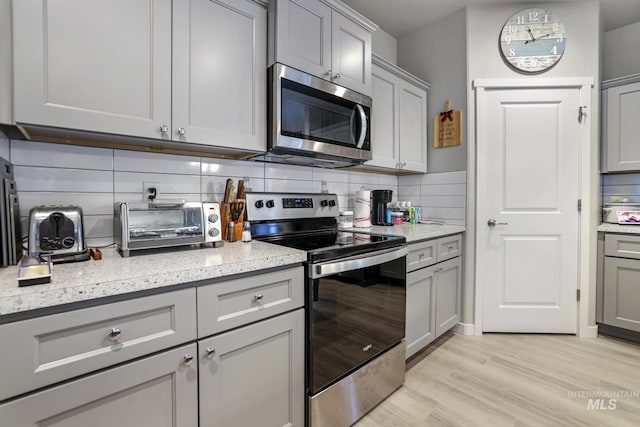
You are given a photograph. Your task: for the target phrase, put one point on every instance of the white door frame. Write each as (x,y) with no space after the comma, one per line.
(588,155)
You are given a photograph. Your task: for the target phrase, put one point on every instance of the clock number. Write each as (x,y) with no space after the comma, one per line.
(533,16)
(534,62)
(507,40)
(512,29)
(554,50)
(521,19)
(546,18)
(512,52)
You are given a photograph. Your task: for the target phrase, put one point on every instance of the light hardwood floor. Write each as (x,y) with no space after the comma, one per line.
(516,380)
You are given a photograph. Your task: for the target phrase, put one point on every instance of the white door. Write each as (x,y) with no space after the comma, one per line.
(528,183)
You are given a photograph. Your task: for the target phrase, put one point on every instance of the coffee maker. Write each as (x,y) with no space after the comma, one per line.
(379,200)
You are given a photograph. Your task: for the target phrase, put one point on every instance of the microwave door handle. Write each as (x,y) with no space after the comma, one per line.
(363,126)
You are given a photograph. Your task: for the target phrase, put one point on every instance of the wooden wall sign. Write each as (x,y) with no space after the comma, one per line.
(447,129)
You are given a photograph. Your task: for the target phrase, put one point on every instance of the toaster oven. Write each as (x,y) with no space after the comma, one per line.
(162,224)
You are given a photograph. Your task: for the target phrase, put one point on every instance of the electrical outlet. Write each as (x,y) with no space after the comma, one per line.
(150,190)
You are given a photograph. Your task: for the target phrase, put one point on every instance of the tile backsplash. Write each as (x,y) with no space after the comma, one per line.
(618,187)
(96,178)
(442,196)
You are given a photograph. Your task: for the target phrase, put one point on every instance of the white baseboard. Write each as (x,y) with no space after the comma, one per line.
(588,332)
(465,329)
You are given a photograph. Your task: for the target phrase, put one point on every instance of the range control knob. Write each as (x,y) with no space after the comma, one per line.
(214,232)
(324,203)
(270,203)
(212,218)
(259,204)
(332,203)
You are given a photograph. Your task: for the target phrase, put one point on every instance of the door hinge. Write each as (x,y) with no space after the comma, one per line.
(581,113)
(579,205)
(578,294)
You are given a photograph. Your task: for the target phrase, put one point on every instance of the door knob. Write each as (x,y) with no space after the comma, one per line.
(492,223)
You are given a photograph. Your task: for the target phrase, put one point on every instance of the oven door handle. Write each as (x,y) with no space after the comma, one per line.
(356,262)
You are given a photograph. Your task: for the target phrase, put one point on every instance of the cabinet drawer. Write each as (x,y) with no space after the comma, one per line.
(52,348)
(421,255)
(226,305)
(449,247)
(121,396)
(622,246)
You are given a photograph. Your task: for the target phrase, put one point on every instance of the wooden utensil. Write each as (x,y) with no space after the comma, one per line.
(241,196)
(228,191)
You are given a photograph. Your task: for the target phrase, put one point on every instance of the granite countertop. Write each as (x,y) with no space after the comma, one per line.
(414,232)
(114,275)
(617,228)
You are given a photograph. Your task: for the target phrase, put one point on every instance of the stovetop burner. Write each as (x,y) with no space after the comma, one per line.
(308,222)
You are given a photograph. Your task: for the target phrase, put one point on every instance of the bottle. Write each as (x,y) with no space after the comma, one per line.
(246,233)
(231,232)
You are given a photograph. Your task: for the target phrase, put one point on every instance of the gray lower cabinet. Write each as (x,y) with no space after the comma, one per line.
(448,294)
(434,290)
(161,390)
(228,353)
(621,297)
(254,376)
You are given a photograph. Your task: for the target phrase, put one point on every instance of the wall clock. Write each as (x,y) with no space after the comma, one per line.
(533,40)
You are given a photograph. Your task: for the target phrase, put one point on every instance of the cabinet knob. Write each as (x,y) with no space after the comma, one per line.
(258,297)
(164,129)
(115,333)
(327,73)
(337,76)
(210,352)
(181,131)
(187,360)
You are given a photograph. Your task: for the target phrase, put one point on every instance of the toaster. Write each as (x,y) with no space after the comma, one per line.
(57,231)
(165,224)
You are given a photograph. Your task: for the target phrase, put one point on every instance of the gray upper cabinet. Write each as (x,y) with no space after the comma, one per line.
(219,73)
(621,113)
(189,71)
(93,65)
(323,38)
(399,130)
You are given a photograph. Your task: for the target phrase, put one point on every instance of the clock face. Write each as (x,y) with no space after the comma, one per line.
(533,40)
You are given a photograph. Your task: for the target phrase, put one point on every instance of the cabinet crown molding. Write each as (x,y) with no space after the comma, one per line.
(352,14)
(403,74)
(619,81)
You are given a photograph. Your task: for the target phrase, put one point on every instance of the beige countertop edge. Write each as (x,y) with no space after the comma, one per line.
(619,228)
(413,232)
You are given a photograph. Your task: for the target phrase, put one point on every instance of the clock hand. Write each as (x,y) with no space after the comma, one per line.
(533,39)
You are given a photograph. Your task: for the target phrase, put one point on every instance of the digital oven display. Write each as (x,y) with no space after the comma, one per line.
(297,202)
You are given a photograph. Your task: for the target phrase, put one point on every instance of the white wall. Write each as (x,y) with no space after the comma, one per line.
(621,52)
(96,178)
(437,54)
(442,196)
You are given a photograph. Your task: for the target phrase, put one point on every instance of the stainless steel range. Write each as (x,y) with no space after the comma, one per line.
(355,303)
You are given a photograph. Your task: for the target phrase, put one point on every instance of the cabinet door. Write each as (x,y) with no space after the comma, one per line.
(254,376)
(384,127)
(303,36)
(93,65)
(156,391)
(420,325)
(622,293)
(413,128)
(219,73)
(622,128)
(448,294)
(350,54)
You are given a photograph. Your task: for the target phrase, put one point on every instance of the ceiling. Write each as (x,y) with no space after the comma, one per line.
(398,17)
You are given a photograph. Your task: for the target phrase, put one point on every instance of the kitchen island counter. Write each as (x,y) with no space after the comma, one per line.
(115,275)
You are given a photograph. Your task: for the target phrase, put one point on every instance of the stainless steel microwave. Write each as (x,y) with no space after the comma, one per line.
(316,122)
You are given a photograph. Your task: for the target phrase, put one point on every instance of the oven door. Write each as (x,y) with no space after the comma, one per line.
(357,312)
